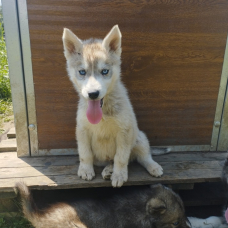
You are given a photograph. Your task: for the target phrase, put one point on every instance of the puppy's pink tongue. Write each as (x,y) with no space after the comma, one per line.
(94,112)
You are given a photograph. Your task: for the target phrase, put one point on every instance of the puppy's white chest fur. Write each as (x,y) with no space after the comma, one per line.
(103,139)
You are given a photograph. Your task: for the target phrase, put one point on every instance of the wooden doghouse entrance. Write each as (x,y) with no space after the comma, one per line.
(172,65)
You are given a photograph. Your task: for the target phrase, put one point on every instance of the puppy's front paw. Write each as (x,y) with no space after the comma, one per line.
(155,169)
(86,172)
(119,177)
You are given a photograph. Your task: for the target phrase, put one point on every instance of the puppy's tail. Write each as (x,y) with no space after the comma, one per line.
(160,151)
(58,215)
(28,205)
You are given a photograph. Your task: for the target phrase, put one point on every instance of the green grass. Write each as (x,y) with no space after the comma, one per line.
(5,91)
(6,108)
(12,219)
(14,222)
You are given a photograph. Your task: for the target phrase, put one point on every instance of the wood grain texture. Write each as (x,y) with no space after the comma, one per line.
(171,64)
(60,172)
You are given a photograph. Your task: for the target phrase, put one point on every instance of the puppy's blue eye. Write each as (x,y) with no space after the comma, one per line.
(82,72)
(176,223)
(104,71)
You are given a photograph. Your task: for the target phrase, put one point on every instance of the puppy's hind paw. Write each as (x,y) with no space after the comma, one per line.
(86,172)
(107,172)
(155,169)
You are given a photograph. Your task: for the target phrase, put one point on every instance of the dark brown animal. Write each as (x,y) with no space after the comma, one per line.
(155,207)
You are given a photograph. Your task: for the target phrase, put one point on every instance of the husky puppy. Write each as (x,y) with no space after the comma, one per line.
(107,129)
(155,207)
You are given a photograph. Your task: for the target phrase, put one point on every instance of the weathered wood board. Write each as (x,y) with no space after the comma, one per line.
(11,133)
(60,172)
(171,64)
(8,145)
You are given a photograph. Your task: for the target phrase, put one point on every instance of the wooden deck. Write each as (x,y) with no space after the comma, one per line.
(60,172)
(10,144)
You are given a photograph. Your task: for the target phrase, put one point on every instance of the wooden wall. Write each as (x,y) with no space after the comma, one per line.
(171,64)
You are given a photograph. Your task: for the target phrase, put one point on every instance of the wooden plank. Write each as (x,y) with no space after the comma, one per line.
(72,169)
(8,145)
(72,181)
(10,160)
(11,133)
(7,195)
(54,175)
(8,205)
(223,135)
(172,53)
(177,187)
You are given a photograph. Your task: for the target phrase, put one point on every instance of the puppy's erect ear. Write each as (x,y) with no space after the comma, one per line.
(155,207)
(71,43)
(112,41)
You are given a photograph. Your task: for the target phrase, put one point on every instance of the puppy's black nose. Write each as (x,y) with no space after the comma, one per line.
(94,95)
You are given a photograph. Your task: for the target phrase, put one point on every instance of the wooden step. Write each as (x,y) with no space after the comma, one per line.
(8,145)
(11,133)
(60,172)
